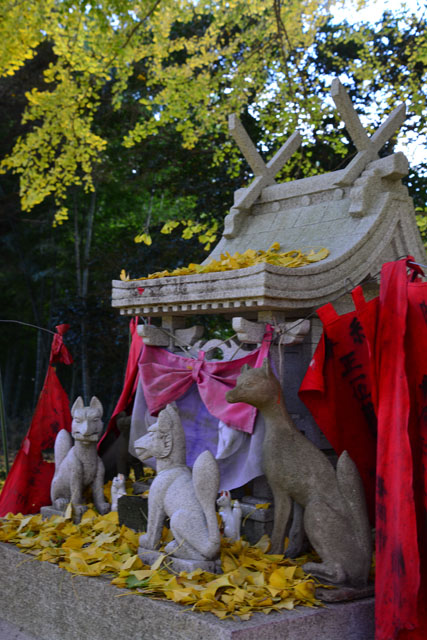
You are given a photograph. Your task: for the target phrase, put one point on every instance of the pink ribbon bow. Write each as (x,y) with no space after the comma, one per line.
(166,376)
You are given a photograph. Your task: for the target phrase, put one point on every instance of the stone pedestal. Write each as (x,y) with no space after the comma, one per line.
(176,565)
(133,512)
(50,510)
(48,603)
(255,522)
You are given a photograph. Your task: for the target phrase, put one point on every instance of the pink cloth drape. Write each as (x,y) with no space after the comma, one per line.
(166,376)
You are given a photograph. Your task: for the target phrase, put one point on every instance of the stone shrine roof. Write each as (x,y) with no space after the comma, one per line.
(362,214)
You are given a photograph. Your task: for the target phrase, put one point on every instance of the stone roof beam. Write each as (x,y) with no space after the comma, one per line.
(264,173)
(368,148)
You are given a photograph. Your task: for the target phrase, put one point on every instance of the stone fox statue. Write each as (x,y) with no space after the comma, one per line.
(188,499)
(335,517)
(79,467)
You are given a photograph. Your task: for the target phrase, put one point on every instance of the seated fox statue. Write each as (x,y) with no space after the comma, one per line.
(335,516)
(187,498)
(78,466)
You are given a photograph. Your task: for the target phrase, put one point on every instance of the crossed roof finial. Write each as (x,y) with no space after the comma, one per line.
(264,173)
(367,151)
(367,147)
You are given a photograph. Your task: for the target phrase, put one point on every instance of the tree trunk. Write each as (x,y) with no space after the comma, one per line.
(82,279)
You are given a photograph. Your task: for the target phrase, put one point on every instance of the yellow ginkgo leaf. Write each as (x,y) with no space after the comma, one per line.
(124,276)
(288,259)
(69,512)
(73,542)
(143,237)
(278,578)
(305,590)
(156,564)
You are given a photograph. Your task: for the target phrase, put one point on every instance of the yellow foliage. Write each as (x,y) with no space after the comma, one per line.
(168,227)
(252,580)
(96,49)
(143,237)
(291,259)
(124,276)
(60,216)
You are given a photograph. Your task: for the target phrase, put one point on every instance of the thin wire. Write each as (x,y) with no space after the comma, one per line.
(27,324)
(181,343)
(418,264)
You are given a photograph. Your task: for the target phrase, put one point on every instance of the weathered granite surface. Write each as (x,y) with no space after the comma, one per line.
(362,214)
(78,466)
(133,512)
(50,604)
(176,565)
(335,515)
(10,631)
(186,497)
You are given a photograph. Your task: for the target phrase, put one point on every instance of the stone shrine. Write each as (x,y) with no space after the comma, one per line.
(362,214)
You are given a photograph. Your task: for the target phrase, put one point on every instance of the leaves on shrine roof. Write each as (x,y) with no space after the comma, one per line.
(291,259)
(252,580)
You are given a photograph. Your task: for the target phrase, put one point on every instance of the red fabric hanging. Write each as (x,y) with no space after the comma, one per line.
(27,486)
(397,333)
(416,351)
(129,388)
(395,327)
(337,391)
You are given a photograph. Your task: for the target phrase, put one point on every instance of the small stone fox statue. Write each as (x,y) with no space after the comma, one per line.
(335,516)
(187,498)
(78,466)
(231,515)
(118,489)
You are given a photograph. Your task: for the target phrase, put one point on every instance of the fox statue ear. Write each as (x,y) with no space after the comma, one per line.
(78,404)
(96,404)
(266,366)
(245,367)
(172,410)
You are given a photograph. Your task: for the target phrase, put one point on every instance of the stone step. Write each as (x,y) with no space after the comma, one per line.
(43,602)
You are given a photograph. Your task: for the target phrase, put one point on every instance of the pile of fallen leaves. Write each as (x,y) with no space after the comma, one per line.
(296,258)
(252,579)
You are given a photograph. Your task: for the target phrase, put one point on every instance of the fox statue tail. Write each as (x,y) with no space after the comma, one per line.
(63,444)
(351,489)
(206,485)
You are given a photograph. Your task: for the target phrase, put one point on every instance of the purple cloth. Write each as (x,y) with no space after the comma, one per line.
(240,462)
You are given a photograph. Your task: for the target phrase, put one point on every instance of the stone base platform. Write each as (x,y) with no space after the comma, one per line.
(50,510)
(176,565)
(47,603)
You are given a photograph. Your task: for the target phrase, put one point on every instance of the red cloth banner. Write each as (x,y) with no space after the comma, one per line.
(397,331)
(27,486)
(129,388)
(394,361)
